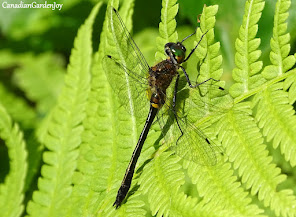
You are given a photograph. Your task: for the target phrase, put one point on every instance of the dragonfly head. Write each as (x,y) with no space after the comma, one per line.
(176,51)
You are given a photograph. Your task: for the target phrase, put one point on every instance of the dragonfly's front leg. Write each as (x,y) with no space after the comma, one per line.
(196,85)
(174,104)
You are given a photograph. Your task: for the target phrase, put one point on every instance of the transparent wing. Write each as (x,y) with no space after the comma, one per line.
(131,92)
(126,68)
(180,130)
(194,145)
(126,37)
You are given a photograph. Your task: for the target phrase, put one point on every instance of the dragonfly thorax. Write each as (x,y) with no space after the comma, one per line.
(176,51)
(160,78)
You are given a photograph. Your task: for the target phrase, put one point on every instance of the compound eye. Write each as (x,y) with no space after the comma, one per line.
(175,51)
(178,51)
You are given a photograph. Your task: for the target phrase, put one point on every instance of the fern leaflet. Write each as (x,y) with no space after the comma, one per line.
(247,67)
(12,190)
(167,26)
(64,130)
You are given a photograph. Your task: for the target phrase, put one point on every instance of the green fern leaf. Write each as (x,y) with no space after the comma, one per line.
(244,147)
(251,159)
(64,130)
(167,27)
(94,163)
(246,58)
(208,50)
(275,114)
(103,161)
(277,118)
(161,179)
(220,191)
(280,47)
(12,190)
(108,139)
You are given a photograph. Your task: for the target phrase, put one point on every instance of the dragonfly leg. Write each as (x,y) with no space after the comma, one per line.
(192,51)
(189,35)
(196,85)
(174,104)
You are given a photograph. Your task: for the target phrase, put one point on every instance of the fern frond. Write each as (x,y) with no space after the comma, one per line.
(12,190)
(275,114)
(108,139)
(64,130)
(247,54)
(217,185)
(167,27)
(208,50)
(280,47)
(283,116)
(220,191)
(95,160)
(244,148)
(277,118)
(161,181)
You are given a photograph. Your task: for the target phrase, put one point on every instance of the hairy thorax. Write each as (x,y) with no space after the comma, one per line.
(160,78)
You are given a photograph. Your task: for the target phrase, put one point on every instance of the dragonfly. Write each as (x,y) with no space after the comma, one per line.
(131,67)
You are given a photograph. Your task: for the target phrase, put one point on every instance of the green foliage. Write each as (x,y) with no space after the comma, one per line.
(208,50)
(167,26)
(78,123)
(63,132)
(17,107)
(46,87)
(12,190)
(220,191)
(246,74)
